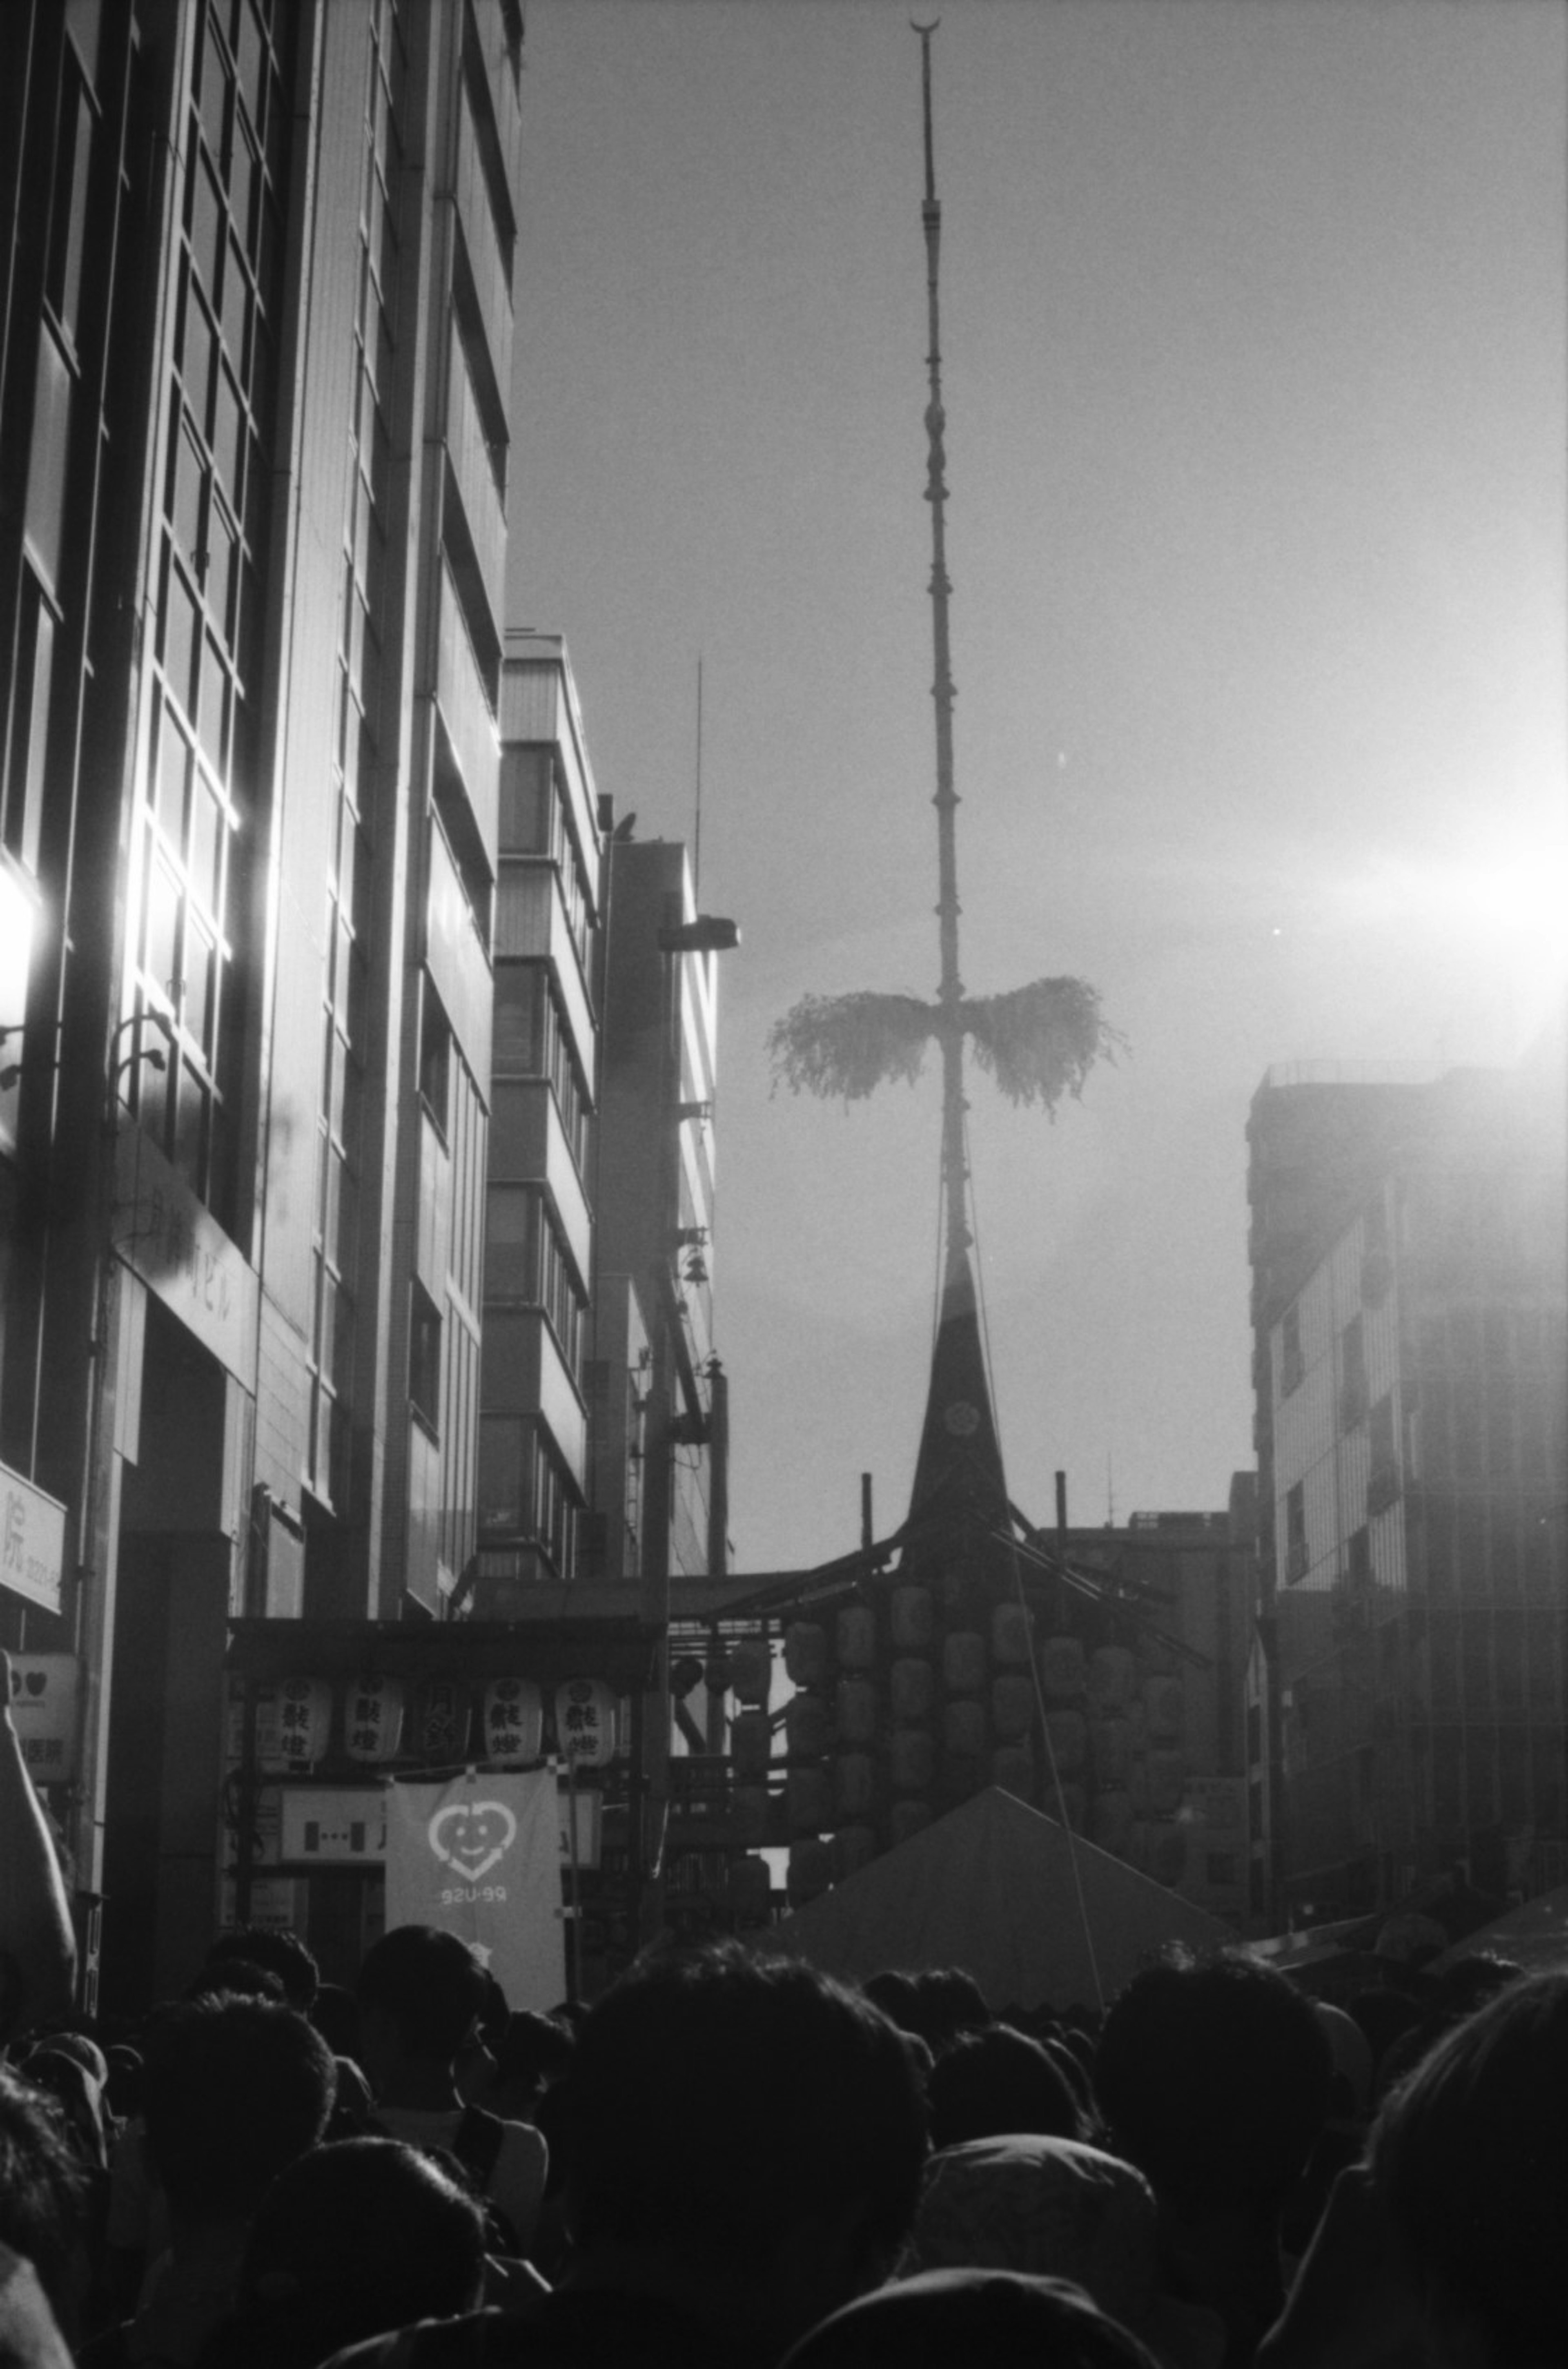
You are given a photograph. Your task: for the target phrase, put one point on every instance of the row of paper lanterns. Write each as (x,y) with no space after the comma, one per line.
(293,1721)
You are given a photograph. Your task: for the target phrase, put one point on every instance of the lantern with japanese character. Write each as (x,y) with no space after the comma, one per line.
(293,1725)
(585,1722)
(373,1718)
(440,1722)
(514,1720)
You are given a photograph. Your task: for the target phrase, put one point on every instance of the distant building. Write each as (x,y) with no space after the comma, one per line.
(539,1265)
(661,1440)
(257,344)
(1410,1307)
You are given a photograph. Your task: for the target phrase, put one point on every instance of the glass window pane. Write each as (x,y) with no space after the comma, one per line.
(174,770)
(206,226)
(161,940)
(205,859)
(178,641)
(195,363)
(189,480)
(228,449)
(236,311)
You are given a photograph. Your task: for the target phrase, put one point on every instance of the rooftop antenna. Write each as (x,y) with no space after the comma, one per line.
(1110,1495)
(697,833)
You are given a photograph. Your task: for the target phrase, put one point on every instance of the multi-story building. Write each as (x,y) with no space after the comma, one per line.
(662,1441)
(539,1260)
(1411,1319)
(253,436)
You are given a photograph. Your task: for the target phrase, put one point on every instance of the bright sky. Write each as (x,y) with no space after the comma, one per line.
(1253,318)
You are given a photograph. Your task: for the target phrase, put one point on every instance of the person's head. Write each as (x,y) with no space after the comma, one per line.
(334,2012)
(41,2186)
(939,2003)
(748,2124)
(353,2238)
(1470,2158)
(535,2050)
(997,2080)
(421,1991)
(1000,2318)
(279,1952)
(235,2090)
(1213,2077)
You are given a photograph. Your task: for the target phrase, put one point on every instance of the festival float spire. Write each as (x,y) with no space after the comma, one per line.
(1038,1042)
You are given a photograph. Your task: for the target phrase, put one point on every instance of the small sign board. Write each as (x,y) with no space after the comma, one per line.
(345,1826)
(32,1542)
(45,1688)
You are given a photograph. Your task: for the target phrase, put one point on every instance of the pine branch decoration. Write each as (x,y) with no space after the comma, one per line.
(843,1046)
(1041,1041)
(1038,1043)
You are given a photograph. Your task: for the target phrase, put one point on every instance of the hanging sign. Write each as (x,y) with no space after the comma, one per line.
(584,1722)
(480,1857)
(44,1713)
(373,1718)
(33,1540)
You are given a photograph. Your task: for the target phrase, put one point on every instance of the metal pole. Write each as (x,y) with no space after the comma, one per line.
(950,990)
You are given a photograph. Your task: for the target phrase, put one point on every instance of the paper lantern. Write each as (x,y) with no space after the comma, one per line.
(586,1722)
(293,1725)
(1112,1672)
(911,1761)
(1069,1736)
(810,1871)
(963,1661)
(1013,1704)
(964,1728)
(853,1847)
(805,1652)
(441,1721)
(1062,1672)
(858,1636)
(912,1685)
(856,1706)
(749,1814)
(807,1726)
(750,1745)
(373,1718)
(752,1671)
(1010,1633)
(808,1801)
(1110,1750)
(1164,1710)
(913,1619)
(854,1782)
(514,1720)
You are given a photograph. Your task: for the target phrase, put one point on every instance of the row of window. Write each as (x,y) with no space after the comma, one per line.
(530,1040)
(524,1490)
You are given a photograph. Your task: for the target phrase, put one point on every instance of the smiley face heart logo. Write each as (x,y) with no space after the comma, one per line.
(471,1836)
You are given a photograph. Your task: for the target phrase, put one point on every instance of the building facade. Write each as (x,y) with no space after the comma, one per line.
(539,1273)
(1411,1314)
(253,439)
(661,1440)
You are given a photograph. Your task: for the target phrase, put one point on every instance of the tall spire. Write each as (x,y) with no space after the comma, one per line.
(950,991)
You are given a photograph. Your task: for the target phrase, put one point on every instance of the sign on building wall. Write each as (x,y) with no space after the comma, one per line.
(183,1255)
(32,1542)
(480,1857)
(44,1711)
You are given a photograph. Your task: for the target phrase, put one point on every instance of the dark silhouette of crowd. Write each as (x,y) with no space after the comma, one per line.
(731,2160)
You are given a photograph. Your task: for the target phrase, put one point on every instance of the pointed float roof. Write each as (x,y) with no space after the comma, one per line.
(958,1472)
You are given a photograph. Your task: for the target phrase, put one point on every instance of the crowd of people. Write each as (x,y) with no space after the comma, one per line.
(732,2161)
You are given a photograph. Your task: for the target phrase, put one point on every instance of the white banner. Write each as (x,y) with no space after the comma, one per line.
(481,1857)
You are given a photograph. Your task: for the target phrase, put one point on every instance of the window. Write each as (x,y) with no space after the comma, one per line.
(425,1358)
(1351,1374)
(30,729)
(1383,1481)
(435,1057)
(1291,1365)
(1295,1533)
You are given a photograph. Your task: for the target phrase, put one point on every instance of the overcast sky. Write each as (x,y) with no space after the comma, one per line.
(1254,319)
